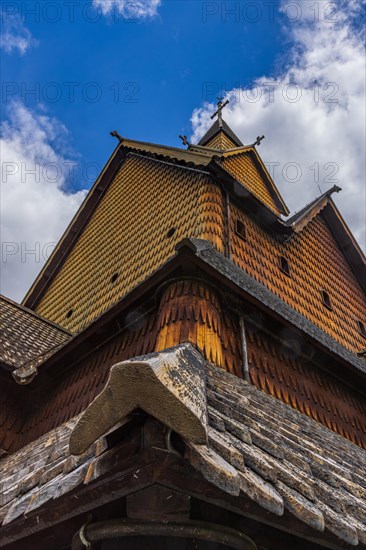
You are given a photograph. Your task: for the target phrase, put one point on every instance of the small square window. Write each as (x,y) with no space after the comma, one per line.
(240,229)
(284,266)
(362,328)
(326,300)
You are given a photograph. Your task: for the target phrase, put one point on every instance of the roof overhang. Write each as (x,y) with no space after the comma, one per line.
(242,451)
(197,253)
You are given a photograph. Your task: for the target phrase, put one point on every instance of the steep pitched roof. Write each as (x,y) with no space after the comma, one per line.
(203,162)
(302,217)
(325,206)
(198,162)
(26,337)
(246,165)
(254,448)
(217,128)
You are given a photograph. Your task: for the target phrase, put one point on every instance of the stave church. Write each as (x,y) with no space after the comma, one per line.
(188,369)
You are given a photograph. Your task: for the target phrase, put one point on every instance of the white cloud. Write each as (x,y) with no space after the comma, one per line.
(129,9)
(324,131)
(35,205)
(14,35)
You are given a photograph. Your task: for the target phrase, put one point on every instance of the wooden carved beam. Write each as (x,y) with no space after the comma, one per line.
(170,386)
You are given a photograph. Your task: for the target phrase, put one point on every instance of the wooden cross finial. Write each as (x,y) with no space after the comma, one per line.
(184,139)
(116,135)
(258,140)
(218,112)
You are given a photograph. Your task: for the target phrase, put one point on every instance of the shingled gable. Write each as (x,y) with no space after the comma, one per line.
(261,459)
(246,165)
(213,137)
(202,160)
(243,162)
(325,207)
(198,160)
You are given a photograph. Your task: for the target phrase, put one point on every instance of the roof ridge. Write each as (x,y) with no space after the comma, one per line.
(305,209)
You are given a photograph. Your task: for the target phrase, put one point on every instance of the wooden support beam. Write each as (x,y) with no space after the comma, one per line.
(170,386)
(156,466)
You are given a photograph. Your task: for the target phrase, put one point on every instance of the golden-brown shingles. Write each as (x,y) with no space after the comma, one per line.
(316,263)
(128,236)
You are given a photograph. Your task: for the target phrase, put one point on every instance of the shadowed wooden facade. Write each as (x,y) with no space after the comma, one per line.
(316,263)
(184,257)
(192,310)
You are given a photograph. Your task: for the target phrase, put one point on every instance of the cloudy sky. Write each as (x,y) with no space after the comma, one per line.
(152,69)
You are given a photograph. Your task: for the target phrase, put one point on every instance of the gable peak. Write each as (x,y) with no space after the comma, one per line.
(218,134)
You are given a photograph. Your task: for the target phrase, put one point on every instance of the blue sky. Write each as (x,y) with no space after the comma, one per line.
(143,77)
(73,70)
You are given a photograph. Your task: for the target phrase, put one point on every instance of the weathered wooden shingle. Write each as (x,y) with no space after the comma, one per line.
(310,472)
(26,337)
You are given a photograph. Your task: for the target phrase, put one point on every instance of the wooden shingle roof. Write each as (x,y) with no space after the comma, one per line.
(257,449)
(150,190)
(217,128)
(26,337)
(211,257)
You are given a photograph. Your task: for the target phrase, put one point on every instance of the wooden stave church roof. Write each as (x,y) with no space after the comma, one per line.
(294,224)
(258,450)
(63,363)
(207,254)
(209,160)
(197,158)
(217,128)
(206,163)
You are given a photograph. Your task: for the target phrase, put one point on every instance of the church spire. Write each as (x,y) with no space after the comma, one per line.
(220,135)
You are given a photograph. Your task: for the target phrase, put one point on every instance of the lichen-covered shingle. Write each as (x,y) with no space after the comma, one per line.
(312,473)
(26,336)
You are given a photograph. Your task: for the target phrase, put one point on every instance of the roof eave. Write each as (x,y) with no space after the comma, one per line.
(199,252)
